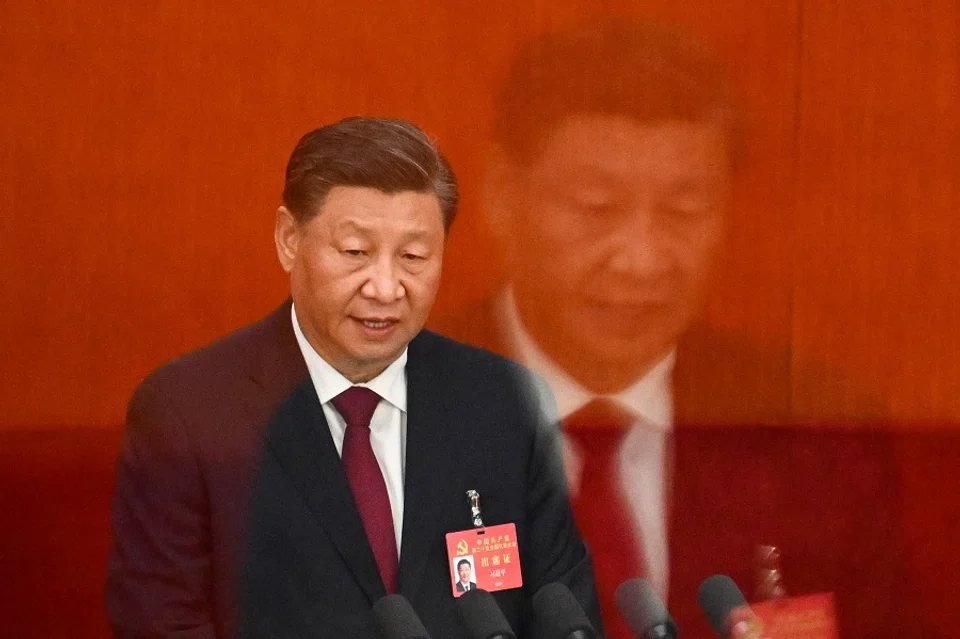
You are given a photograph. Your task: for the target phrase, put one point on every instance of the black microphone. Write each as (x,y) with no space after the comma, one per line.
(481,617)
(727,609)
(558,614)
(643,611)
(395,619)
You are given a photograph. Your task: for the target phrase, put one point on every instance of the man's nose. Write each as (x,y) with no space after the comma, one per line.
(638,245)
(383,282)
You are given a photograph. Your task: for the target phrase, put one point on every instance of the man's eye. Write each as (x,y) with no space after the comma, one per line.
(691,209)
(413,257)
(594,207)
(354,252)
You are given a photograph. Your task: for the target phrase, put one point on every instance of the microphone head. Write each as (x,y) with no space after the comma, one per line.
(558,614)
(718,597)
(395,619)
(643,610)
(481,617)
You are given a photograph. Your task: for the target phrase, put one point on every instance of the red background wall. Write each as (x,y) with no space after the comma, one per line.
(144,145)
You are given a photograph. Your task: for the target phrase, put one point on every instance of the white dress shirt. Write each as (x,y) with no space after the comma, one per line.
(642,459)
(388,426)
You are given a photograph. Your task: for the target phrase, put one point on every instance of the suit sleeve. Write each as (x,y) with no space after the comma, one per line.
(556,552)
(159,573)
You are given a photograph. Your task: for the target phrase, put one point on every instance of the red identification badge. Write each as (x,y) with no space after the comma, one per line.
(485,558)
(809,617)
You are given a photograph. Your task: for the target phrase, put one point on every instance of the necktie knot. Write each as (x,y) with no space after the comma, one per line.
(600,414)
(599,427)
(356,405)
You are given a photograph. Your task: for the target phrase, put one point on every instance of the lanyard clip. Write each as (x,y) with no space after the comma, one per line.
(473,497)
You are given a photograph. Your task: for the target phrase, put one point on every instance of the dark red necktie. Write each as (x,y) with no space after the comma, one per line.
(601,510)
(357,404)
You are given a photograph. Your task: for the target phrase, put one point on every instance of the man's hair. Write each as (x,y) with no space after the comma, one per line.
(386,154)
(463,561)
(647,71)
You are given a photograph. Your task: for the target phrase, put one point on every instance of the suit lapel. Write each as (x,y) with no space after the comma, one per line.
(427,447)
(300,440)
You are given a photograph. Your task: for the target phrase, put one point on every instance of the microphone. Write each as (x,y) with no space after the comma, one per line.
(481,617)
(727,609)
(643,611)
(395,619)
(558,614)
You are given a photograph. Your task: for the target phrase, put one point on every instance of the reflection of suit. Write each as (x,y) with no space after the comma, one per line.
(828,498)
(720,378)
(197,431)
(460,587)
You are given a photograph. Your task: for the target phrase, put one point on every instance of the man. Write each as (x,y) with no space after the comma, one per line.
(612,155)
(290,467)
(463,571)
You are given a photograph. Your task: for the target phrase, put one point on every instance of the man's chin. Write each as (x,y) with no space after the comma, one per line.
(364,363)
(619,361)
(625,323)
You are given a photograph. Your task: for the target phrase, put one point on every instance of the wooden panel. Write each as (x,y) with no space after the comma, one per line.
(146,154)
(145,149)
(875,261)
(146,145)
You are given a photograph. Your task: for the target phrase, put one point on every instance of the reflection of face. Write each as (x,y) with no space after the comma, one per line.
(615,226)
(363,272)
(464,571)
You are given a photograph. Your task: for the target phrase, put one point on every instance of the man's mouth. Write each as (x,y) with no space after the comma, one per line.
(377,323)
(630,305)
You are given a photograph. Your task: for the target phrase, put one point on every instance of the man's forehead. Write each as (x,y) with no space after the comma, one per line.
(370,194)
(607,146)
(594,131)
(364,207)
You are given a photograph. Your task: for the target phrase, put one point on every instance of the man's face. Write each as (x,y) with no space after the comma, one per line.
(364,272)
(464,570)
(614,228)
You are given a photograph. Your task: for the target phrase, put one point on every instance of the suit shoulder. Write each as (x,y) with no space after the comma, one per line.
(471,371)
(828,438)
(848,453)
(455,355)
(728,378)
(219,361)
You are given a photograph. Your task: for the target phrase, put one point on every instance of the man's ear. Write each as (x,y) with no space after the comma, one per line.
(500,192)
(286,236)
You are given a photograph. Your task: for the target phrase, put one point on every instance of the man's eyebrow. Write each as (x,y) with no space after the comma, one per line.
(417,234)
(686,184)
(348,225)
(590,171)
(353,225)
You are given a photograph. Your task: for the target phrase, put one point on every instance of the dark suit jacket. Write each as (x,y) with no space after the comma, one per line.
(239,420)
(460,588)
(830,498)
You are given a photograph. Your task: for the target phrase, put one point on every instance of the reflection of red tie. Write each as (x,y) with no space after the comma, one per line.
(601,510)
(357,404)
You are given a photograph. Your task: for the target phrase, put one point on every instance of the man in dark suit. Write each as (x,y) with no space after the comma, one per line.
(610,165)
(290,468)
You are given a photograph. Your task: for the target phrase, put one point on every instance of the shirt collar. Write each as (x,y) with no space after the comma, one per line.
(650,397)
(391,384)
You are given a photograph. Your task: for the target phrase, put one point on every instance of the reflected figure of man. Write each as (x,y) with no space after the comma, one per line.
(613,152)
